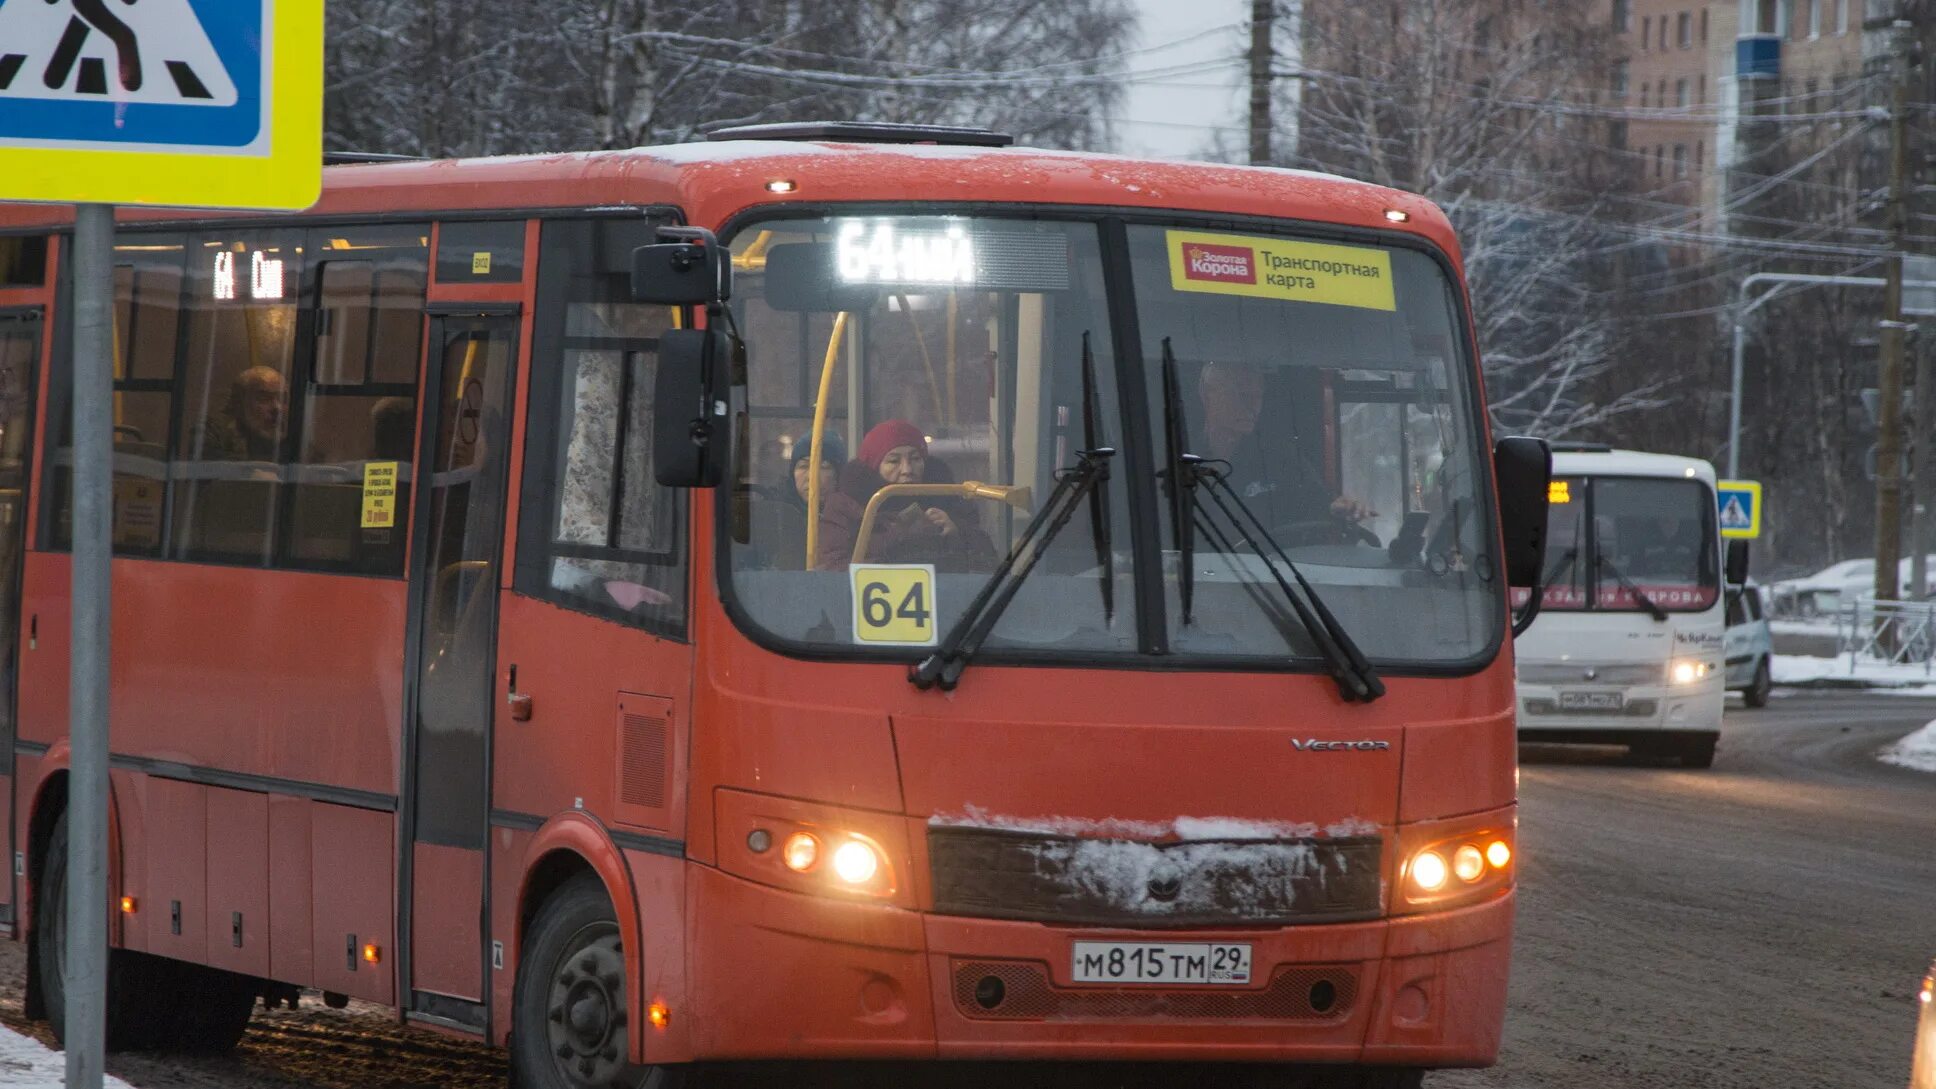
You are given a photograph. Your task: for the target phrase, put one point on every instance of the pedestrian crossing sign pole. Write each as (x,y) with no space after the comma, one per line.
(191,103)
(1739,505)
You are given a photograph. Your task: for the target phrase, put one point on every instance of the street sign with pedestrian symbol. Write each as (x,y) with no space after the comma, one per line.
(1740,507)
(204,103)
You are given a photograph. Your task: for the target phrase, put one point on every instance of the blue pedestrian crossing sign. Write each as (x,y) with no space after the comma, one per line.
(192,103)
(1740,507)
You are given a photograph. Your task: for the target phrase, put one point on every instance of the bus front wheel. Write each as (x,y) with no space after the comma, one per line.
(569,1009)
(153,1003)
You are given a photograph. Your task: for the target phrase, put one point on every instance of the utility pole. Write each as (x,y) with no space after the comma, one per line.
(1889,424)
(1263,14)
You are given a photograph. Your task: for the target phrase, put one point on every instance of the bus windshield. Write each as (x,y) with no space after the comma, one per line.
(1614,540)
(959,365)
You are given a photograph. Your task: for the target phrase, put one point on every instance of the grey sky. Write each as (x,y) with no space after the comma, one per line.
(1184,81)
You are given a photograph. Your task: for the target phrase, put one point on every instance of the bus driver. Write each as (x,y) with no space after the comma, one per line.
(1232,395)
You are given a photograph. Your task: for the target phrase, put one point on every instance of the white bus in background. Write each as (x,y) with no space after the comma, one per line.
(1627,648)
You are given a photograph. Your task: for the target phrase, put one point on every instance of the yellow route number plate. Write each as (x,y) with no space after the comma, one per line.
(893,604)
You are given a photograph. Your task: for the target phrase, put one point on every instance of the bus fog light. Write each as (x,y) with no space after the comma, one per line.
(1498,853)
(800,852)
(1468,863)
(1428,871)
(856,862)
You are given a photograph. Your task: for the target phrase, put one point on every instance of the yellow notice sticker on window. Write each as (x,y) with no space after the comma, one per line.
(1275,268)
(893,604)
(379,494)
(481,263)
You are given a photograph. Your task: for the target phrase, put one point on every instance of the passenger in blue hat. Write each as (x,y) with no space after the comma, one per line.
(779,529)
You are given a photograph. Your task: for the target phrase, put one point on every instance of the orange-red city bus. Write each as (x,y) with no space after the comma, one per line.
(427,691)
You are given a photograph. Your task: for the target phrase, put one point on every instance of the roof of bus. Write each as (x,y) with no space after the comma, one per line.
(1629,463)
(712,182)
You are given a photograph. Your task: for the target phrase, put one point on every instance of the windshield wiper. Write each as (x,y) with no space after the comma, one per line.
(1188,477)
(1357,681)
(1627,584)
(1088,478)
(1561,565)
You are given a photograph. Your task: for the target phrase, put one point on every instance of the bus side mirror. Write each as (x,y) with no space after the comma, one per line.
(690,420)
(1737,562)
(698,273)
(1524,470)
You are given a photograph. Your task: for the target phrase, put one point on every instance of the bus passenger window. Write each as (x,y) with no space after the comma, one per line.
(147,316)
(358,408)
(610,540)
(234,416)
(23,260)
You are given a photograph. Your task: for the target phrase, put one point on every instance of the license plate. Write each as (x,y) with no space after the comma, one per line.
(1590,701)
(1168,963)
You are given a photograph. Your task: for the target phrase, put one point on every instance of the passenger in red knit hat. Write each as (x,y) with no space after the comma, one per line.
(925,529)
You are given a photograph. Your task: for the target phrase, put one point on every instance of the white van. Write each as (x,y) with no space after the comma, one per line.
(1628,646)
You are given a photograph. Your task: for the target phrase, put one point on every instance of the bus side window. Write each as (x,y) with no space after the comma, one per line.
(148,279)
(599,534)
(357,411)
(23,260)
(233,419)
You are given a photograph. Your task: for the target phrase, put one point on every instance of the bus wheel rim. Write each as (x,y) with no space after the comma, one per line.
(585,1009)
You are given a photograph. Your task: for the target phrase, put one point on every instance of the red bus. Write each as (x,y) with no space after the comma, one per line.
(1132,681)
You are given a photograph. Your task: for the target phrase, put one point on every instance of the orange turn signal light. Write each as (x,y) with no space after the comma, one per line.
(658,1014)
(127,905)
(371,953)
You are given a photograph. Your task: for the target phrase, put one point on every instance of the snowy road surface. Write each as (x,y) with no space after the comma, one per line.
(1762,925)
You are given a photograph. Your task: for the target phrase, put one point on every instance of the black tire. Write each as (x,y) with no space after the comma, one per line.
(573,965)
(1756,694)
(153,1003)
(1698,752)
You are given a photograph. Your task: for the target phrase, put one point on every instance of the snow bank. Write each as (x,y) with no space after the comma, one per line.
(1917,751)
(1798,669)
(25,1063)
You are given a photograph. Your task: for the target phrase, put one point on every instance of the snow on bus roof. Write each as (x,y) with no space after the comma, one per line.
(1629,463)
(739,151)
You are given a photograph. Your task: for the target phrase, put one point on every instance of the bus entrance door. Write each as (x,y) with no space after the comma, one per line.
(457,538)
(19,359)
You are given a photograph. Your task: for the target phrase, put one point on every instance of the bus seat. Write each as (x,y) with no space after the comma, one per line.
(328,521)
(231,518)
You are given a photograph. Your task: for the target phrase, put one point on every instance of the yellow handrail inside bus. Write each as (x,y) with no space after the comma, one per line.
(1017,496)
(820,421)
(753,257)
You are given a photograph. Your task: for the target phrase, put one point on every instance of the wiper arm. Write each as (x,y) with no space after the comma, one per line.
(1356,680)
(1627,584)
(1088,478)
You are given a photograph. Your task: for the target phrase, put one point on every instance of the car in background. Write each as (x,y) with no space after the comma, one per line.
(1748,647)
(1922,1072)
(1827,590)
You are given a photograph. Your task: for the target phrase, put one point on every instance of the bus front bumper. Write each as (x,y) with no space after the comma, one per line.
(1642,710)
(783,975)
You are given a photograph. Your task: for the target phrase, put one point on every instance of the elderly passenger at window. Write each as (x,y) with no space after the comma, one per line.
(925,529)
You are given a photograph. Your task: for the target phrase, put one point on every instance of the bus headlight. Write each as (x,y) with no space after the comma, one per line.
(857,861)
(1453,863)
(1687,671)
(824,850)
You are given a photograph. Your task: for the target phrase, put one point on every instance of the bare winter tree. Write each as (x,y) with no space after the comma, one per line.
(1486,107)
(463,77)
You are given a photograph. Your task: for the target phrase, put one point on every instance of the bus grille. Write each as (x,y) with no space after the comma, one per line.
(1024,993)
(1047,877)
(1623,673)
